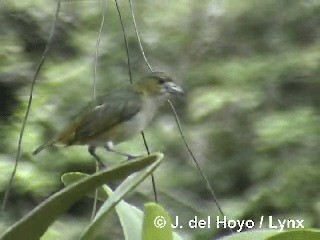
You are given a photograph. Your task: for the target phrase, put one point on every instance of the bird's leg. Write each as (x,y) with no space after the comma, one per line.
(109,147)
(92,151)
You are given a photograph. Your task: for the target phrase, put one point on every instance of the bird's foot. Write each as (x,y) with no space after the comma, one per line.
(92,151)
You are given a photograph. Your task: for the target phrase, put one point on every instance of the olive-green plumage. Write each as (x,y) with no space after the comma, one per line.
(118,115)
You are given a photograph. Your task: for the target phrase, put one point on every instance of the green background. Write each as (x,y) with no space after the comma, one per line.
(251,70)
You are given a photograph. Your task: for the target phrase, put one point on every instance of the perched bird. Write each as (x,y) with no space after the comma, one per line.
(117,116)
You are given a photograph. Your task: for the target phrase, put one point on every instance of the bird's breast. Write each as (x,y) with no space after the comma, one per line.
(142,119)
(139,121)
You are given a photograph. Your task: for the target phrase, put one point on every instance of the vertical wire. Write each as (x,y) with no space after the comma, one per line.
(153,181)
(150,68)
(125,42)
(209,187)
(131,81)
(25,119)
(138,36)
(204,177)
(96,56)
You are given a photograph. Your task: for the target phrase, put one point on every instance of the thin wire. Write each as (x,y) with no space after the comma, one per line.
(125,42)
(103,6)
(131,81)
(6,195)
(196,161)
(95,200)
(138,36)
(153,181)
(177,119)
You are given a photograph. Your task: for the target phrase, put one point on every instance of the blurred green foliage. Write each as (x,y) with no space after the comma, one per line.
(252,72)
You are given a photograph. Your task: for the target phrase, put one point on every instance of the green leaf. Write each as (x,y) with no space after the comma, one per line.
(157,223)
(131,217)
(256,235)
(128,185)
(34,224)
(131,220)
(72,177)
(310,234)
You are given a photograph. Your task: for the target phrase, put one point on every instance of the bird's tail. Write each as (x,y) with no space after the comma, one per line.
(43,146)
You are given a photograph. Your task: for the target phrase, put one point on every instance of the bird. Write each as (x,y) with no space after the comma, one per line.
(117,116)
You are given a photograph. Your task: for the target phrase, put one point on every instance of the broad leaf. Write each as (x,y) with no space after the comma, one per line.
(34,224)
(276,235)
(297,235)
(157,223)
(128,185)
(131,218)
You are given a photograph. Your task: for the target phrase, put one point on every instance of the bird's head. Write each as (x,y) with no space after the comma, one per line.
(158,83)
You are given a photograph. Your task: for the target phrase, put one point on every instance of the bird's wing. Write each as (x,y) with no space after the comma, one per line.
(100,116)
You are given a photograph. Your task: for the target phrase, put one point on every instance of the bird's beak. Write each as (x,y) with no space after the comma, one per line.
(173,88)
